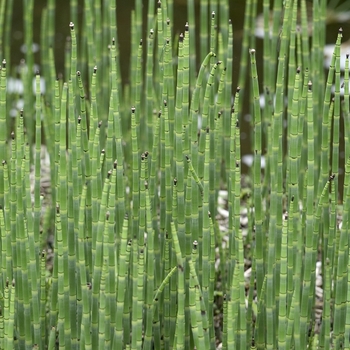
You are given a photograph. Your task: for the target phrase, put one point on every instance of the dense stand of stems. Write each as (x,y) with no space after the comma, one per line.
(128,246)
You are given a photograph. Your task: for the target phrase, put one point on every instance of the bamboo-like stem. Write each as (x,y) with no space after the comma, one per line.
(165,312)
(121,286)
(257,177)
(135,175)
(206,229)
(180,324)
(150,267)
(226,115)
(34,269)
(345,227)
(84,332)
(60,274)
(3,126)
(179,128)
(98,262)
(283,287)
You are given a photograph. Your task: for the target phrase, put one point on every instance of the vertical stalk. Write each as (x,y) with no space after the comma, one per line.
(3,126)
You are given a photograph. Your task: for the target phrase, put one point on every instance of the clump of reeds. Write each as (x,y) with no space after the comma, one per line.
(146,234)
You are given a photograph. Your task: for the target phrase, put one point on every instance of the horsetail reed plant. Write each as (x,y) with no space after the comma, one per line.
(128,219)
